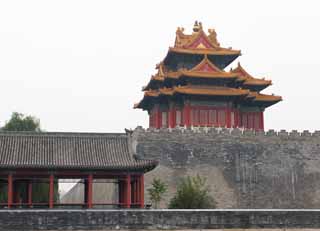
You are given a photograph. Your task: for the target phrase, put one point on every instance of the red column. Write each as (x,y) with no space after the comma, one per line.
(134,192)
(30,193)
(240,119)
(89,191)
(141,190)
(228,117)
(10,190)
(261,121)
(128,192)
(157,116)
(172,118)
(186,114)
(138,190)
(236,118)
(51,191)
(253,115)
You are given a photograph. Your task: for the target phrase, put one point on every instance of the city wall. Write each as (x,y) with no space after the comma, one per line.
(245,169)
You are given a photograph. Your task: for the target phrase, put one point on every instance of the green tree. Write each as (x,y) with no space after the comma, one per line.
(157,191)
(3,189)
(192,193)
(20,122)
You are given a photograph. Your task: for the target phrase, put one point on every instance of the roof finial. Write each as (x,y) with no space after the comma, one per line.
(197,26)
(180,29)
(213,37)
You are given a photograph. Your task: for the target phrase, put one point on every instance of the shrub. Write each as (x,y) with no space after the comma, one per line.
(157,191)
(192,193)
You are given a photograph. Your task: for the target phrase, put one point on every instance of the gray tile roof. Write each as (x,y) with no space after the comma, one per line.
(68,150)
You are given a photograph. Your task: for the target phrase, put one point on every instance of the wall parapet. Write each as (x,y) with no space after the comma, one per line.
(232,131)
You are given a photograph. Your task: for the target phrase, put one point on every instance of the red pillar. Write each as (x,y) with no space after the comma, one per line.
(10,190)
(240,119)
(261,121)
(228,117)
(236,118)
(30,193)
(172,118)
(186,115)
(51,191)
(157,116)
(138,190)
(133,192)
(89,191)
(128,192)
(141,190)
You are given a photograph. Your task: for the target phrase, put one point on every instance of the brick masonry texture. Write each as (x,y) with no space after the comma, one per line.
(245,169)
(156,219)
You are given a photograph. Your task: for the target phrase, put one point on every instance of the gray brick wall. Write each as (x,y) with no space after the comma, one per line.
(244,169)
(157,219)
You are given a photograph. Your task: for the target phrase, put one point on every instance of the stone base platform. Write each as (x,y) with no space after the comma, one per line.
(165,219)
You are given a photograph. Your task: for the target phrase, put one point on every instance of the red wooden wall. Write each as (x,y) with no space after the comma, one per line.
(205,116)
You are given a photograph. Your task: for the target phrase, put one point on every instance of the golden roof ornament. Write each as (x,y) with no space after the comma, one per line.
(179,33)
(180,29)
(213,37)
(160,69)
(197,26)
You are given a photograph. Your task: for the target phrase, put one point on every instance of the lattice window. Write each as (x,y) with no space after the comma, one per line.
(195,117)
(250,120)
(203,117)
(213,117)
(178,117)
(222,118)
(257,120)
(164,119)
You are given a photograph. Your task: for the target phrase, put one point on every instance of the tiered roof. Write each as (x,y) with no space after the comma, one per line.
(205,70)
(238,82)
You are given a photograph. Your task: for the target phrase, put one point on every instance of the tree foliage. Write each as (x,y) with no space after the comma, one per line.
(157,191)
(20,122)
(192,193)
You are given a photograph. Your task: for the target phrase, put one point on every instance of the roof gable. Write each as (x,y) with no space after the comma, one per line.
(206,66)
(200,42)
(249,79)
(240,70)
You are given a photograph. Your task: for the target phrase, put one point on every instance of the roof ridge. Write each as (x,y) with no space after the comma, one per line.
(70,134)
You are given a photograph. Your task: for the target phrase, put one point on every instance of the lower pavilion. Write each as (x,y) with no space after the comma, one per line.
(29,158)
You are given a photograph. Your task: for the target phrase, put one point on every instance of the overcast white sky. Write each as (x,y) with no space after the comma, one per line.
(80,65)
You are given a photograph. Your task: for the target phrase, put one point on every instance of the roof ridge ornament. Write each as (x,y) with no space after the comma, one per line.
(213,37)
(197,26)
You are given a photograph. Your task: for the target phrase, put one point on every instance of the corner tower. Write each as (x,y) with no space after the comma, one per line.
(191,87)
